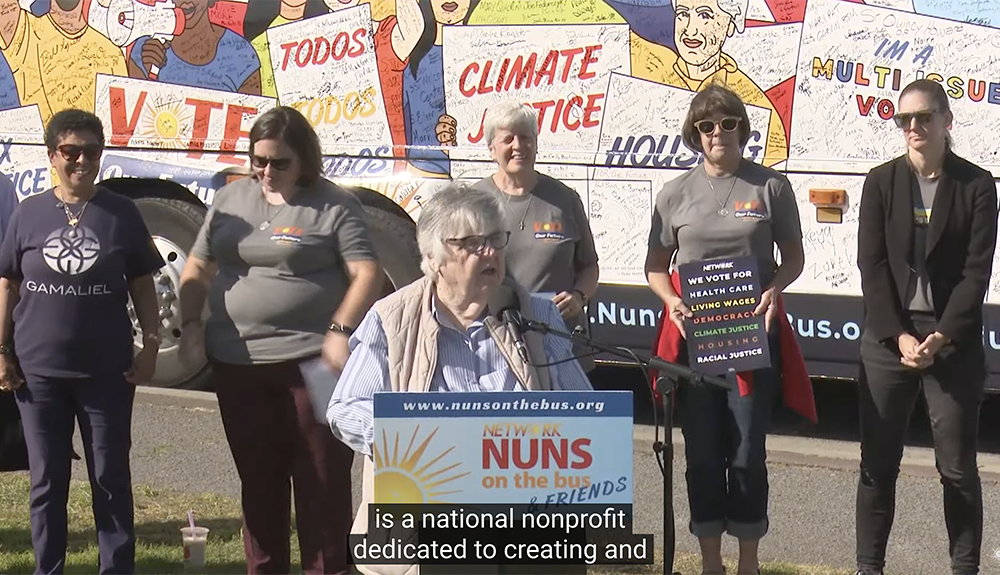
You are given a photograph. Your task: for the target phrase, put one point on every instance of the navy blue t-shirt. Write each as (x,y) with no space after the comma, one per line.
(72,318)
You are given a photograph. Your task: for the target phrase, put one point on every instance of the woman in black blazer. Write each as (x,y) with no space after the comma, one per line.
(926,235)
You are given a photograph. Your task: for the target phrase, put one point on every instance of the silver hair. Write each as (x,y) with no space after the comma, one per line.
(737,10)
(454,211)
(510,115)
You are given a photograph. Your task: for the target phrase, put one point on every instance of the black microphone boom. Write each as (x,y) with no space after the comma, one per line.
(674,370)
(504,304)
(512,318)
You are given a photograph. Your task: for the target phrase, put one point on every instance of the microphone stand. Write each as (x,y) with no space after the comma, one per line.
(665,385)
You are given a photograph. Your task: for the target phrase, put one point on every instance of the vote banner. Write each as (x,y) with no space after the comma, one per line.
(724,334)
(540,448)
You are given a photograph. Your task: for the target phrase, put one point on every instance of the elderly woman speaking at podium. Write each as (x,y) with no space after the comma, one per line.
(437,333)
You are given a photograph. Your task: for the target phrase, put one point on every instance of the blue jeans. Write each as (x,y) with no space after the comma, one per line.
(104,409)
(724,443)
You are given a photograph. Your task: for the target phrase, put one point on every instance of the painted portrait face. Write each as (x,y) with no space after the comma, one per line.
(335,5)
(194,11)
(700,30)
(450,11)
(67,5)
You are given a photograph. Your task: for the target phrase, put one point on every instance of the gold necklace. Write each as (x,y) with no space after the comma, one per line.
(72,219)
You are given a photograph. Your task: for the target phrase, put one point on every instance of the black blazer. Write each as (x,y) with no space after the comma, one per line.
(961,239)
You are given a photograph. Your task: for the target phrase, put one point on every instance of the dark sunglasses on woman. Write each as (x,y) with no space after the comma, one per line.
(71,152)
(280,164)
(727,125)
(923,118)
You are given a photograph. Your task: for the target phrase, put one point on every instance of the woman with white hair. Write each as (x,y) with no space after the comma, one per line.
(437,335)
(551,248)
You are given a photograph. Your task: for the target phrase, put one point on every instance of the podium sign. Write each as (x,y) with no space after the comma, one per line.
(540,448)
(724,334)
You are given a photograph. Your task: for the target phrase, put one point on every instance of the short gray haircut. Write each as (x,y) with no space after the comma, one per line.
(456,210)
(510,115)
(736,9)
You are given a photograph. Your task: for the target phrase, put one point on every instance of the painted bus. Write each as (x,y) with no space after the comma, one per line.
(397,90)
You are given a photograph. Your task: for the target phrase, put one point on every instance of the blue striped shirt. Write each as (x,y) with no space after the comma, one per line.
(467,361)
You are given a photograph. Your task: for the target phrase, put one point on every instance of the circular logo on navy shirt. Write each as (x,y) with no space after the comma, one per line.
(71,251)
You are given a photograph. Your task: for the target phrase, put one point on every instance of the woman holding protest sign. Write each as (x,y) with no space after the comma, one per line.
(728,207)
(551,249)
(923,280)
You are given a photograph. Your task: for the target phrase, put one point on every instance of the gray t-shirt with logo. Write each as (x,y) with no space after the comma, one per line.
(550,239)
(760,210)
(278,288)
(555,241)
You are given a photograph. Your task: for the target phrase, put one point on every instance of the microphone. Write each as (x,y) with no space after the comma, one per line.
(503,304)
(676,370)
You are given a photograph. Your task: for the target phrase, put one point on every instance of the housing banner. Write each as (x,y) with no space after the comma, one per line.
(723,333)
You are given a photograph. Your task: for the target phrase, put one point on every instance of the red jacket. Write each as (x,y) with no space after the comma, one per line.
(796,386)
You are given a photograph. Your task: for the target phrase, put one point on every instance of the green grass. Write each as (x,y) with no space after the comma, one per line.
(160,514)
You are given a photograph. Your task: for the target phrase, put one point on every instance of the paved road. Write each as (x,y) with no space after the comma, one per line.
(812,481)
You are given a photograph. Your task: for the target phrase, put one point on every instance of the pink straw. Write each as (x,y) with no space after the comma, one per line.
(191,519)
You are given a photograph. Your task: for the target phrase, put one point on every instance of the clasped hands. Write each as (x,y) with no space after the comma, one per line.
(768,307)
(919,354)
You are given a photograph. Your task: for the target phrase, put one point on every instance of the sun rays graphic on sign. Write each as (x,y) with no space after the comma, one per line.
(416,475)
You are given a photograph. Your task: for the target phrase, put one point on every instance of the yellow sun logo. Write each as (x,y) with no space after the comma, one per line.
(406,478)
(165,124)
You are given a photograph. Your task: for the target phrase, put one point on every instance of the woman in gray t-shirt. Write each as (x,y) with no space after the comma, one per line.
(726,207)
(288,267)
(551,249)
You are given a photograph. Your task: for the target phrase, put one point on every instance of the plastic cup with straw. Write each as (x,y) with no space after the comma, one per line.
(194,539)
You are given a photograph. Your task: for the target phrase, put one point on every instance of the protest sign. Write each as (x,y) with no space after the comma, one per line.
(724,334)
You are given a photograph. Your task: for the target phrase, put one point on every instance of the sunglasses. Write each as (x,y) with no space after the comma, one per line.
(727,125)
(72,153)
(904,119)
(280,164)
(476,244)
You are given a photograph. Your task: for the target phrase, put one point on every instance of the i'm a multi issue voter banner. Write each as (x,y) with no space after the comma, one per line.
(724,333)
(503,478)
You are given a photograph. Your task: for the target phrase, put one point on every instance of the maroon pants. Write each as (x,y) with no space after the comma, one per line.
(275,437)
